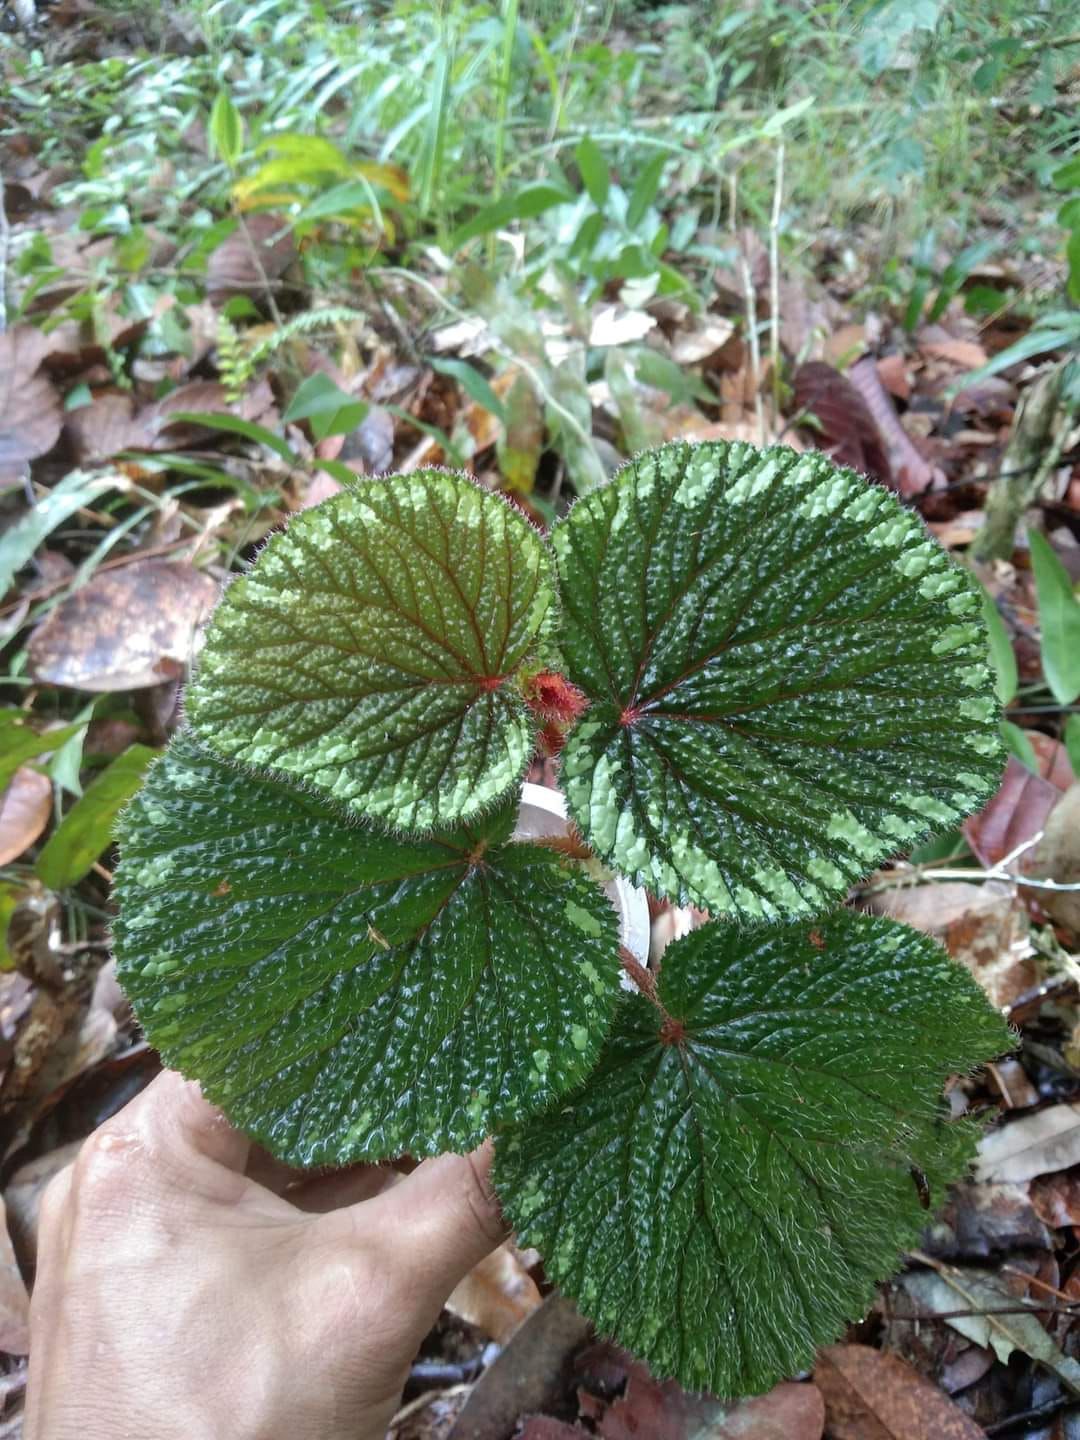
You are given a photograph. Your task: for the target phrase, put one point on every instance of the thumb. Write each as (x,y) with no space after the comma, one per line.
(442,1220)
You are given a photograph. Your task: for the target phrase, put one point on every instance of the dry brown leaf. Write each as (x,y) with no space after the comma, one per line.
(30,411)
(893,373)
(25,807)
(103,428)
(981,925)
(496,1295)
(1015,815)
(848,431)
(965,354)
(911,474)
(616,325)
(874,1396)
(261,242)
(1056,1198)
(701,340)
(1039,1143)
(128,628)
(14,1301)
(1057,857)
(24,1192)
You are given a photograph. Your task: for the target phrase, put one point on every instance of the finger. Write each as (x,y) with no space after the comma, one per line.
(439,1221)
(172,1123)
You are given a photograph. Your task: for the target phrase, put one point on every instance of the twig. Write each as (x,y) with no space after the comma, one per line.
(774,285)
(1000,871)
(260,270)
(751,316)
(5,240)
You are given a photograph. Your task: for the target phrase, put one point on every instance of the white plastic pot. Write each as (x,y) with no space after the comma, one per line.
(543,813)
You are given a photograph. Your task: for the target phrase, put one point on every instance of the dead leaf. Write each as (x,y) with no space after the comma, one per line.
(496,1295)
(615,325)
(261,248)
(910,474)
(24,1192)
(526,1376)
(1056,1198)
(1015,815)
(701,340)
(14,1301)
(546,1427)
(847,431)
(994,1319)
(965,354)
(893,373)
(25,807)
(874,1396)
(30,411)
(1057,857)
(984,926)
(1038,1143)
(130,627)
(110,424)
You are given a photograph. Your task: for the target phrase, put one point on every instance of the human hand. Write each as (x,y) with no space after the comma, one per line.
(186,1288)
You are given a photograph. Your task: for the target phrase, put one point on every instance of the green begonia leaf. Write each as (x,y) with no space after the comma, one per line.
(733,1180)
(787,677)
(343,993)
(372,650)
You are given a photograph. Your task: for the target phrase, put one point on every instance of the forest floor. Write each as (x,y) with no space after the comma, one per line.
(246,248)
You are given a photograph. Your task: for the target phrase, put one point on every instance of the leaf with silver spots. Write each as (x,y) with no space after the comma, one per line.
(373,650)
(787,674)
(346,994)
(731,1183)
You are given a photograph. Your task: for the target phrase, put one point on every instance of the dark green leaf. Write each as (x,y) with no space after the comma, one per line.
(19,742)
(342,993)
(594,171)
(730,1185)
(234,425)
(1059,620)
(86,829)
(644,191)
(1067,176)
(1071,738)
(523,204)
(473,383)
(374,650)
(788,678)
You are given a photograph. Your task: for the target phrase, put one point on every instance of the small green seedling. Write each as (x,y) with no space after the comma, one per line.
(764,678)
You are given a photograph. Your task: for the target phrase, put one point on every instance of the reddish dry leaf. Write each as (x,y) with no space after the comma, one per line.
(25,807)
(261,248)
(667,1412)
(103,428)
(1015,815)
(30,410)
(1057,857)
(1056,1198)
(496,1295)
(848,431)
(109,424)
(546,1427)
(910,474)
(128,628)
(965,354)
(874,1396)
(893,374)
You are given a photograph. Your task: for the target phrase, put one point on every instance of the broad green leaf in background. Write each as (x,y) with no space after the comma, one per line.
(374,648)
(523,204)
(86,829)
(787,677)
(1059,620)
(226,129)
(11,892)
(1071,738)
(343,993)
(644,191)
(326,406)
(472,382)
(19,742)
(594,171)
(1002,654)
(745,1150)
(1017,743)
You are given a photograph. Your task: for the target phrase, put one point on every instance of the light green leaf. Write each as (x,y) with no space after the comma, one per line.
(226,130)
(644,191)
(345,994)
(1002,655)
(594,170)
(329,409)
(1059,620)
(730,1185)
(788,678)
(86,829)
(19,742)
(72,493)
(374,650)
